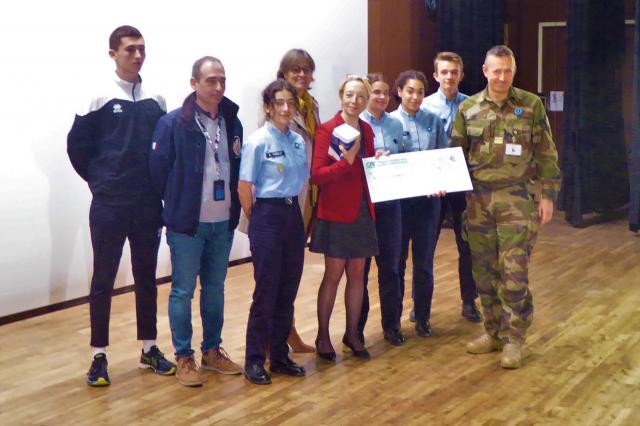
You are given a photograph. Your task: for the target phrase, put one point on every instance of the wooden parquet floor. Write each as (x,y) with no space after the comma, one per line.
(582,359)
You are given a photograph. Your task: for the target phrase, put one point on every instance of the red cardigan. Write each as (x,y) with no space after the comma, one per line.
(340,184)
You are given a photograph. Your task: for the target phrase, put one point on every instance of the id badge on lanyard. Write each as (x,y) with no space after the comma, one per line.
(218,183)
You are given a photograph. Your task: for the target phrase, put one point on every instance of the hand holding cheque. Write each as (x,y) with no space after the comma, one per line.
(414,174)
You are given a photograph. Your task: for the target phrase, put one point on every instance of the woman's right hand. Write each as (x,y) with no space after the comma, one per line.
(350,154)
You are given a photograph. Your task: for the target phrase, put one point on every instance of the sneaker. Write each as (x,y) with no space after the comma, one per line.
(218,359)
(98,375)
(484,344)
(155,360)
(511,355)
(188,372)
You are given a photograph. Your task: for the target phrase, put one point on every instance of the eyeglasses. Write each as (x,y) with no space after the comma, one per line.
(291,103)
(299,70)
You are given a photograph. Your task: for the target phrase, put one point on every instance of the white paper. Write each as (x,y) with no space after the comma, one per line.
(413,174)
(556,101)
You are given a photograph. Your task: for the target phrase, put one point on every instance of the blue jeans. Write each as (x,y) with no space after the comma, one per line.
(205,254)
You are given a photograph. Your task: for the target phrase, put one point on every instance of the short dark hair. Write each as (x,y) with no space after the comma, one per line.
(501,51)
(376,76)
(269,93)
(447,57)
(119,33)
(291,58)
(406,76)
(197,65)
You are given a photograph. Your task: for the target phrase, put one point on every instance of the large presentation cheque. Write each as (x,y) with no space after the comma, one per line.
(418,173)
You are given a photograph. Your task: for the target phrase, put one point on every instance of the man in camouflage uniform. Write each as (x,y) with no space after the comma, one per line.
(505,135)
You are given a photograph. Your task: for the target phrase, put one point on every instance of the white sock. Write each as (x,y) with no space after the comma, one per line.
(147,345)
(97,351)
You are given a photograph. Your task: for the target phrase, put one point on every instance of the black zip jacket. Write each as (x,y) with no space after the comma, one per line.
(108,144)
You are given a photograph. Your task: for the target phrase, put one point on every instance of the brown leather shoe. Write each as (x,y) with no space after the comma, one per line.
(484,344)
(297,345)
(188,373)
(511,355)
(218,360)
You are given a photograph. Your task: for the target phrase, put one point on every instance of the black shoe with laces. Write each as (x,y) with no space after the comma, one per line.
(256,374)
(155,360)
(98,375)
(423,329)
(288,367)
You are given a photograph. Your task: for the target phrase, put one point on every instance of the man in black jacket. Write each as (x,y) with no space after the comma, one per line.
(108,146)
(194,164)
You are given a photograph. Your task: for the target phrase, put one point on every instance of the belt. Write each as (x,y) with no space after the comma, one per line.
(280,201)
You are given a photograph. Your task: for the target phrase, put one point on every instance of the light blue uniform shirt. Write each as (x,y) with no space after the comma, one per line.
(275,162)
(387,131)
(444,108)
(422,131)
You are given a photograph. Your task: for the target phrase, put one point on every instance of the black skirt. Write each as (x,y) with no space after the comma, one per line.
(346,240)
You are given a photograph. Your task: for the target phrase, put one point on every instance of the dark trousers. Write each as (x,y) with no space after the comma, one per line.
(110,225)
(277,239)
(389,232)
(420,217)
(456,203)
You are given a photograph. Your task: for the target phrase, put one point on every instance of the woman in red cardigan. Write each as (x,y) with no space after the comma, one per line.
(344,230)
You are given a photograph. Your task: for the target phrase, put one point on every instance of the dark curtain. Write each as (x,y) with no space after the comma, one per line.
(470,28)
(595,178)
(634,160)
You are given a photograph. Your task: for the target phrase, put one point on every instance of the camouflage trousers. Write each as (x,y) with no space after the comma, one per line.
(501,227)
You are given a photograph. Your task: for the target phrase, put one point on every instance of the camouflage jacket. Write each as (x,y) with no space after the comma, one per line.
(508,144)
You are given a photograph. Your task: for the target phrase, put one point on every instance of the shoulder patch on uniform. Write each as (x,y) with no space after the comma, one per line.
(237,146)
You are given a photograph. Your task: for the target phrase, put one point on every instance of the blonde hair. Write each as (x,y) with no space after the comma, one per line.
(363,80)
(448,57)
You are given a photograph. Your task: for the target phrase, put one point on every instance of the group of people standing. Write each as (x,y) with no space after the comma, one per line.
(192,171)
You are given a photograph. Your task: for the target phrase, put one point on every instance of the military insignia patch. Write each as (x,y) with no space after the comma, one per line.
(517,111)
(237,146)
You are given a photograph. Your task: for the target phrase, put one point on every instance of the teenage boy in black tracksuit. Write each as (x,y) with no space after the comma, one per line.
(108,146)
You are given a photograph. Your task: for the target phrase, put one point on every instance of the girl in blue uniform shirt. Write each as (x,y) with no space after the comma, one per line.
(422,130)
(274,170)
(387,132)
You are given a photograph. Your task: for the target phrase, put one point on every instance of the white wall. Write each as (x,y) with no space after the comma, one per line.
(53,51)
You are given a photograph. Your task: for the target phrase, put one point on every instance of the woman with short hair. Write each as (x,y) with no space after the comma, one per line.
(297,67)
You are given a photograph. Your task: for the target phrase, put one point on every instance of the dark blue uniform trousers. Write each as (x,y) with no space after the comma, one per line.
(456,203)
(389,232)
(110,225)
(277,240)
(420,217)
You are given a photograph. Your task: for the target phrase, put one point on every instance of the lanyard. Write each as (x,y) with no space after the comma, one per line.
(213,144)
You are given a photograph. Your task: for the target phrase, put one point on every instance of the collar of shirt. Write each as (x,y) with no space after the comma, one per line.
(451,102)
(276,132)
(512,98)
(406,115)
(203,112)
(131,89)
(370,118)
